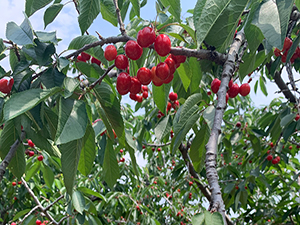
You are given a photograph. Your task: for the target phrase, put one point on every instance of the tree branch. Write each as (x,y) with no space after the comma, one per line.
(216,203)
(284,88)
(10,155)
(188,162)
(40,207)
(122,27)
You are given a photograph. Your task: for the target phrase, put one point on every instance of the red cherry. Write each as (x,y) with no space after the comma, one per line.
(146,37)
(290,147)
(121,62)
(169,79)
(133,96)
(297,117)
(19,182)
(139,98)
(85,56)
(31,153)
(123,83)
(236,187)
(155,182)
(173,96)
(155,79)
(110,52)
(227,97)
(171,64)
(215,85)
(30,143)
(208,92)
(96,61)
(40,158)
(238,124)
(268,152)
(162,45)
(244,89)
(135,85)
(287,44)
(169,106)
(13,223)
(14,183)
(145,88)
(162,71)
(133,50)
(121,151)
(144,75)
(145,94)
(277,52)
(230,83)
(38,222)
(6,85)
(269,157)
(175,105)
(233,91)
(271,145)
(190,183)
(79,58)
(158,149)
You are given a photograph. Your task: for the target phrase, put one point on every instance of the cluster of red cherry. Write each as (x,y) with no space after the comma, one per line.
(172,103)
(31,153)
(283,53)
(233,90)
(276,160)
(6,85)
(162,73)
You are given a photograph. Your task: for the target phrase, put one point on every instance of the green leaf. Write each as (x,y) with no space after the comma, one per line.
(174,8)
(78,201)
(20,214)
(198,219)
(136,7)
(248,65)
(24,101)
(108,11)
(213,218)
(110,165)
(209,115)
(8,137)
(184,73)
(191,101)
(198,151)
(263,86)
(21,35)
(111,106)
(131,146)
(161,95)
(89,10)
(230,16)
(178,137)
(206,13)
(31,6)
(32,170)
(267,20)
(51,13)
(47,37)
(70,85)
(287,120)
(162,128)
(284,10)
(2,46)
(96,52)
(88,151)
(69,162)
(254,36)
(256,145)
(48,175)
(195,70)
(87,191)
(72,121)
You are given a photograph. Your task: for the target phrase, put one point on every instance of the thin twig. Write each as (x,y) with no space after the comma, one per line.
(99,80)
(120,21)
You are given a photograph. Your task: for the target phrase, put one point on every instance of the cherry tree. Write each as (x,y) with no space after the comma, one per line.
(69,142)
